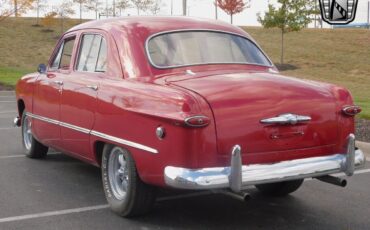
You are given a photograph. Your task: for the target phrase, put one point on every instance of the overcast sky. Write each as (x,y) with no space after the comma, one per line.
(205,9)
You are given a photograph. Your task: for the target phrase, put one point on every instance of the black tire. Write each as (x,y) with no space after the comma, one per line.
(139,197)
(32,148)
(280,188)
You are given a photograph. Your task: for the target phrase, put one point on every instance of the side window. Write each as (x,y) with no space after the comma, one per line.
(93,54)
(55,64)
(63,58)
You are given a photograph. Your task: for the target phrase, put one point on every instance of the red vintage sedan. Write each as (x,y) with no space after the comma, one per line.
(183,103)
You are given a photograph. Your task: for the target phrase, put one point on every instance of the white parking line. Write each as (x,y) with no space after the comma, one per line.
(53,213)
(12,156)
(5,128)
(22,155)
(2,112)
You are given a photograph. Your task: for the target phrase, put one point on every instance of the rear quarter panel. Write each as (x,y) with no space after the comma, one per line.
(132,110)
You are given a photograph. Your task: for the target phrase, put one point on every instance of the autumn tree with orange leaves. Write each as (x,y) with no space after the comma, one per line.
(232,7)
(16,7)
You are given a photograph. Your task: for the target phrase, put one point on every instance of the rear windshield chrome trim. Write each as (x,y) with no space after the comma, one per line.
(208,63)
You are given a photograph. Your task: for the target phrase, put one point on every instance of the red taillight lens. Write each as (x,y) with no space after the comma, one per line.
(197,121)
(351,110)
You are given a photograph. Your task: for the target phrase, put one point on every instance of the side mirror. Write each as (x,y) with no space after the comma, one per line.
(41,68)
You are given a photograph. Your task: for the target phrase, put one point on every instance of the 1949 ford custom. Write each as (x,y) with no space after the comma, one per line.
(183,103)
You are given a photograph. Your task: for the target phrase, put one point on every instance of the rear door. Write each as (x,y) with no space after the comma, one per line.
(46,104)
(80,89)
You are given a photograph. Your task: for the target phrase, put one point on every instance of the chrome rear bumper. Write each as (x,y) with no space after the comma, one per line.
(237,175)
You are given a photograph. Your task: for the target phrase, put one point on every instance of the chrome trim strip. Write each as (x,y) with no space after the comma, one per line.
(76,128)
(210,63)
(227,177)
(52,121)
(123,141)
(95,133)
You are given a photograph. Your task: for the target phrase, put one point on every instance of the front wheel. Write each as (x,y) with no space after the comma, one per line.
(33,148)
(280,188)
(126,194)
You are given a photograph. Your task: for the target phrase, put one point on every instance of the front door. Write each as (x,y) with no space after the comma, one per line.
(79,98)
(47,96)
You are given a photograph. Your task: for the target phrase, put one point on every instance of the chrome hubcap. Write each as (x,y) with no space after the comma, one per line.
(27,133)
(118,173)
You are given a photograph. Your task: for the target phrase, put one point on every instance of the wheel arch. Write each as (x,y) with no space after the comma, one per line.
(21,107)
(98,151)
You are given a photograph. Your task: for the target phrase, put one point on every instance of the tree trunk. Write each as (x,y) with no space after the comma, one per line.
(282,46)
(96,14)
(114,8)
(231,19)
(80,11)
(315,14)
(38,12)
(15,8)
(216,10)
(138,11)
(184,7)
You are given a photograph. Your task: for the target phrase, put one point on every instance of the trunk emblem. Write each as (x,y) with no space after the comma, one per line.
(286,119)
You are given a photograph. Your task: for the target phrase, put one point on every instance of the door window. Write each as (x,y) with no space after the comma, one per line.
(93,54)
(64,55)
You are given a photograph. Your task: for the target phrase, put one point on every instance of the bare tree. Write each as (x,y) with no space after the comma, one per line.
(39,6)
(94,5)
(123,5)
(142,5)
(63,10)
(155,8)
(81,3)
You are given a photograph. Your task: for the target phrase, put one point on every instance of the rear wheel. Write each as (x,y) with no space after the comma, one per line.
(126,194)
(280,188)
(33,148)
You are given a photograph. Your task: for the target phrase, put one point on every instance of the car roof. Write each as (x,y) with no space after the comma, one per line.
(156,24)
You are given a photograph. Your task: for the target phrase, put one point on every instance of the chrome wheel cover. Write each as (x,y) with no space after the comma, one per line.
(118,173)
(27,133)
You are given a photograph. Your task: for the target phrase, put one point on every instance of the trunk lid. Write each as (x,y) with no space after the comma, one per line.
(240,101)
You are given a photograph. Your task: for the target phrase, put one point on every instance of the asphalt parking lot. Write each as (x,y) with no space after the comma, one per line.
(63,193)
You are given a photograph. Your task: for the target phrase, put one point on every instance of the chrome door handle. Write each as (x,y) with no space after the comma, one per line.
(93,87)
(58,82)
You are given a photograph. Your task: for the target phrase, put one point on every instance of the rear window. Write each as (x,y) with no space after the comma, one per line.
(183,48)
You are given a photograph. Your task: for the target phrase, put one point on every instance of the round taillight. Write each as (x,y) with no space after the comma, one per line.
(351,110)
(197,121)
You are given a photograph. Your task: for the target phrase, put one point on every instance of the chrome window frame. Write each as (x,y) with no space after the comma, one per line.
(206,63)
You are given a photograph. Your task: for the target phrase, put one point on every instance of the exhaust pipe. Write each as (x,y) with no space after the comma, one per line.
(242,196)
(333,180)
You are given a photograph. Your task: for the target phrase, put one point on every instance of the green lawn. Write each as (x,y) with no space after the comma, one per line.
(10,76)
(340,56)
